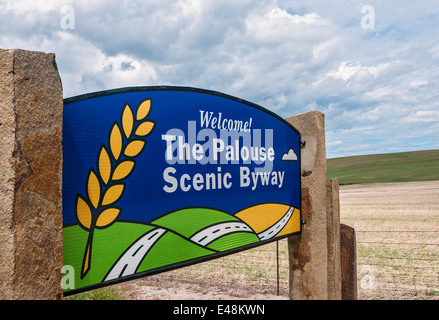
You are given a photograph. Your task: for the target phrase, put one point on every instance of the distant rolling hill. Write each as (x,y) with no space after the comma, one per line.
(380,168)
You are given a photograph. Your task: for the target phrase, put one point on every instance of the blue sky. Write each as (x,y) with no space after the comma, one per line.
(377,84)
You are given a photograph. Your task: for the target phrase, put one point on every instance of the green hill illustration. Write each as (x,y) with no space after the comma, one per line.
(129,248)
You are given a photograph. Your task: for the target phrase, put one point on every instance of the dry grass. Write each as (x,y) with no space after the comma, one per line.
(397,230)
(249,275)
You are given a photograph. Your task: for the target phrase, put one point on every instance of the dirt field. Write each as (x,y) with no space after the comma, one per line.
(397,229)
(248,275)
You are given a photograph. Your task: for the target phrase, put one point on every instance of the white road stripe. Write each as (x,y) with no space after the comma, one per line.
(133,257)
(277,227)
(210,234)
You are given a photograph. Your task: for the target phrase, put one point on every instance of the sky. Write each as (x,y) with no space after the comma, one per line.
(372,66)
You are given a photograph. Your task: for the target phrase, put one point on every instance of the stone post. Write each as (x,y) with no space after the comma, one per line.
(308,254)
(333,233)
(348,246)
(31,105)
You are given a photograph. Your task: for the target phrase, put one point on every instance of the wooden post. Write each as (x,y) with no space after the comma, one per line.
(31,105)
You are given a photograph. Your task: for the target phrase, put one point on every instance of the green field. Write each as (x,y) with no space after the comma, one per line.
(381,168)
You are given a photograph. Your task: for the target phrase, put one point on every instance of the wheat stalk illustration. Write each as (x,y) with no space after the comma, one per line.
(105,186)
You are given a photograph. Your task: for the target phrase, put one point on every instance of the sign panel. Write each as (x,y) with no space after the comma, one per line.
(156,178)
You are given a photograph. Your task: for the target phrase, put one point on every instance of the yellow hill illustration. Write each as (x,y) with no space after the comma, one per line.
(281,218)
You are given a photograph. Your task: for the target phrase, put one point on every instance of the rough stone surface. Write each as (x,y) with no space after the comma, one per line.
(308,252)
(348,247)
(31,104)
(333,233)
(7,143)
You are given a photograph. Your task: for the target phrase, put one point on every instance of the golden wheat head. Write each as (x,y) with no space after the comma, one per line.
(105,186)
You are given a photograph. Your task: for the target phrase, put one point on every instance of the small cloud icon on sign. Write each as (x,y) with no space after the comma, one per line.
(289,156)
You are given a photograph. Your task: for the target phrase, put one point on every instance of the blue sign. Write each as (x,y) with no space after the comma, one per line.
(156,178)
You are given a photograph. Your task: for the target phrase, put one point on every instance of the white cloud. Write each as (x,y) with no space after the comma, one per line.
(290,57)
(334,143)
(347,70)
(289,156)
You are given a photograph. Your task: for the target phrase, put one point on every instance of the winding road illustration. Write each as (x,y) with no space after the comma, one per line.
(277,227)
(210,234)
(130,260)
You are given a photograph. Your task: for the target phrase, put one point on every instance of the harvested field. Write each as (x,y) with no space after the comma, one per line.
(397,230)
